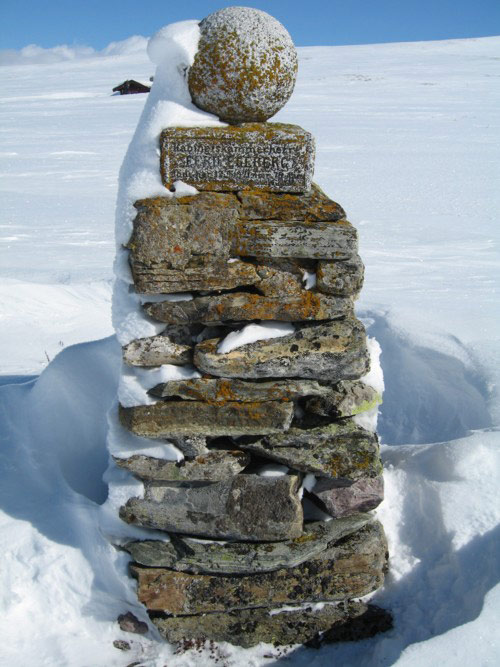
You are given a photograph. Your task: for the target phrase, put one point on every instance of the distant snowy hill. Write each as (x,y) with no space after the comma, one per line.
(408,141)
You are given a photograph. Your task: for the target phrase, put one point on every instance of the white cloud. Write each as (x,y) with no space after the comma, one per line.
(37,55)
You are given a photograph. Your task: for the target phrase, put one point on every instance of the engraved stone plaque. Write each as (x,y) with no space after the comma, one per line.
(273,157)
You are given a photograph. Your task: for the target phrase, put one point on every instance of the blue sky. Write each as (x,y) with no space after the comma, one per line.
(95,23)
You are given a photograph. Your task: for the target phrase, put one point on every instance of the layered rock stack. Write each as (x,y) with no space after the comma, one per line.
(267,512)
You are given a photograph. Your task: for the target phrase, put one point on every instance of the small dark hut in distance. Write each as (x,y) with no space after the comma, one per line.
(131,87)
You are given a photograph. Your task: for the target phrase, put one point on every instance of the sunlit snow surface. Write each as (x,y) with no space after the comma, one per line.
(408,142)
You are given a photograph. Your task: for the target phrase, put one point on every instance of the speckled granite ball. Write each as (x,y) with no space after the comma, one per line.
(245,67)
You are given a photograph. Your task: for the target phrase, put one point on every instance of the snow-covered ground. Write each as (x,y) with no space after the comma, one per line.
(408,141)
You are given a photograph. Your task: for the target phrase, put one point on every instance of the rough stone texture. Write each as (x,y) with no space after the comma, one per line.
(246,507)
(313,206)
(130,623)
(157,350)
(282,278)
(240,306)
(341,450)
(245,67)
(313,240)
(190,445)
(271,157)
(213,466)
(331,352)
(340,501)
(345,399)
(220,390)
(187,555)
(188,418)
(351,568)
(338,278)
(248,627)
(176,242)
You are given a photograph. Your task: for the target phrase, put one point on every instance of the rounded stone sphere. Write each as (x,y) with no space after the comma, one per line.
(245,67)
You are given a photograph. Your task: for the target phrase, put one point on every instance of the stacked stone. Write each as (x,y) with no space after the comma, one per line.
(246,248)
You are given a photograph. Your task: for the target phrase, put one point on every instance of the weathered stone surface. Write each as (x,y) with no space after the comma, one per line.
(331,352)
(176,241)
(191,446)
(283,277)
(362,496)
(157,350)
(130,623)
(352,568)
(246,507)
(341,450)
(248,627)
(187,555)
(213,466)
(345,399)
(271,157)
(340,278)
(313,206)
(188,418)
(220,390)
(245,66)
(241,306)
(314,240)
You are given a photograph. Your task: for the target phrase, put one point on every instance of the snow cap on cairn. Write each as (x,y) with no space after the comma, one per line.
(245,67)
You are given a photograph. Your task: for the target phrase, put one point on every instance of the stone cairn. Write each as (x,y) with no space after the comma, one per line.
(239,547)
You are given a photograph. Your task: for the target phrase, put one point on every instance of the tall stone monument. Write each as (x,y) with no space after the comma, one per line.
(267,513)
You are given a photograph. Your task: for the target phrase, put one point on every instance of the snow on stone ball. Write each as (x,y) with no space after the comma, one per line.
(245,67)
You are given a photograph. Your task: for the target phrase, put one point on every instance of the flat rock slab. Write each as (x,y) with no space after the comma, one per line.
(352,568)
(313,240)
(187,555)
(212,467)
(313,206)
(330,352)
(188,418)
(340,501)
(340,277)
(345,399)
(248,627)
(245,507)
(341,450)
(241,306)
(220,390)
(271,157)
(177,242)
(155,351)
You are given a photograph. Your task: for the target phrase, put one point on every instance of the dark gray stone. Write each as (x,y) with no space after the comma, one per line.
(341,450)
(130,623)
(270,157)
(313,240)
(157,350)
(330,352)
(349,569)
(220,390)
(248,627)
(187,555)
(363,495)
(213,466)
(246,507)
(183,243)
(345,399)
(241,306)
(187,418)
(340,278)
